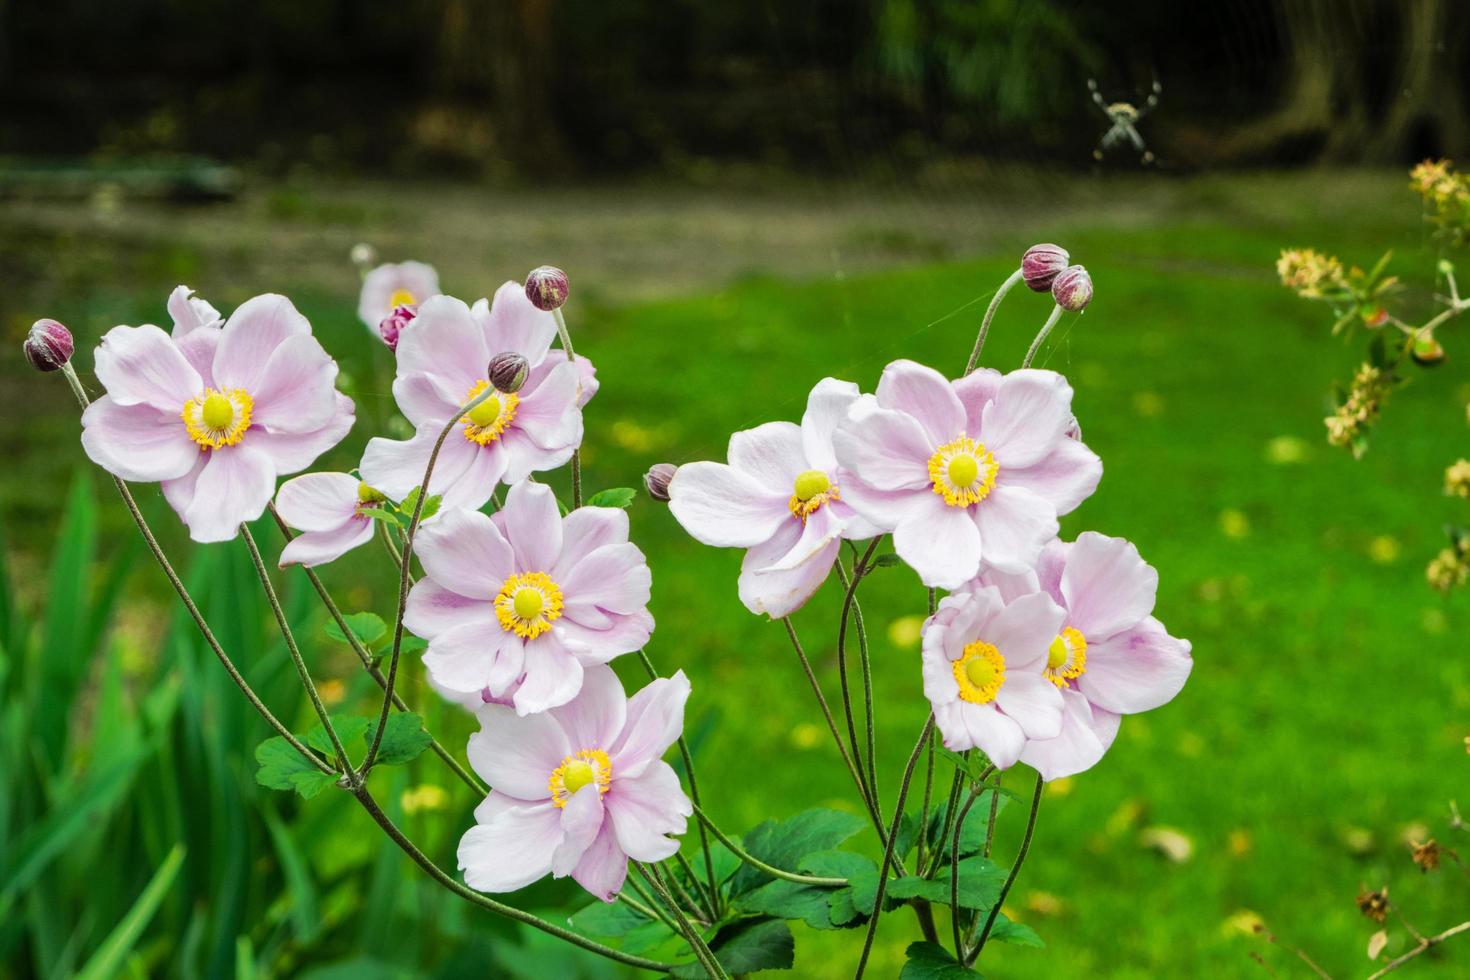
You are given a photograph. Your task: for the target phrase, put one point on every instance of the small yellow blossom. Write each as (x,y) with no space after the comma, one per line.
(1457,479)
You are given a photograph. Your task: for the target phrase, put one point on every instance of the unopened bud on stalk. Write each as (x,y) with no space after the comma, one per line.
(657,480)
(48,346)
(1072,289)
(507,372)
(393,325)
(1427,352)
(547,288)
(1041,264)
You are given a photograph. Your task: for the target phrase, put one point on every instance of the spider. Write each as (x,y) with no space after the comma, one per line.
(1124,117)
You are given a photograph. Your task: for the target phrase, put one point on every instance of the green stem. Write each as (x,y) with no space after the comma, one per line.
(892,840)
(1000,294)
(294,650)
(566,343)
(651,902)
(1005,889)
(949,808)
(924,805)
(701,949)
(849,607)
(760,865)
(470,895)
(709,867)
(832,727)
(649,910)
(189,606)
(468,778)
(403,579)
(954,870)
(1051,321)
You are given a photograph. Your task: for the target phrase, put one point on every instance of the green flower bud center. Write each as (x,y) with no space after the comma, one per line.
(528,604)
(1057,653)
(577,774)
(217,413)
(811,483)
(980,672)
(963,470)
(367,495)
(485,413)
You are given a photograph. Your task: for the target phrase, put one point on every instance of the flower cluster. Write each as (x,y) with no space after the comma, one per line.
(1446,196)
(1350,421)
(1310,274)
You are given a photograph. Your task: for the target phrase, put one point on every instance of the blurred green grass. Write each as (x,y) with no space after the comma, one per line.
(1324,717)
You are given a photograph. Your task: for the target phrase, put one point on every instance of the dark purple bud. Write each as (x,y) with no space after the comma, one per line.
(507,372)
(48,346)
(1072,289)
(1040,265)
(657,481)
(547,288)
(395,323)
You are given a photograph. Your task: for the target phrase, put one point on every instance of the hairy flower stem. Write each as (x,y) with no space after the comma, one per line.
(468,778)
(1005,889)
(850,605)
(404,579)
(648,911)
(285,627)
(1051,321)
(924,805)
(193,610)
(689,907)
(954,871)
(696,941)
(832,727)
(1000,294)
(711,886)
(654,906)
(760,865)
(889,846)
(949,808)
(408,847)
(566,343)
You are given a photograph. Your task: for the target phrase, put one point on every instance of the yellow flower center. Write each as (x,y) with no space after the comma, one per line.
(813,489)
(401,297)
(485,423)
(528,604)
(980,672)
(1066,658)
(218,418)
(963,472)
(589,767)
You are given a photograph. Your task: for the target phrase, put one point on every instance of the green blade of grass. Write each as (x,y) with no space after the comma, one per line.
(114,950)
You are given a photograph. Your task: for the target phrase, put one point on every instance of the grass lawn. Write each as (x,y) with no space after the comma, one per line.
(1325,716)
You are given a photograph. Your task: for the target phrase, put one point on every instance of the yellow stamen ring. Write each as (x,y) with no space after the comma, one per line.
(401,297)
(218,418)
(584,768)
(488,420)
(980,672)
(528,604)
(1066,658)
(813,489)
(963,472)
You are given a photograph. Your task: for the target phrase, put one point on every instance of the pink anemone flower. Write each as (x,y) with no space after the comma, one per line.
(524,600)
(965,471)
(442,365)
(327,508)
(392,285)
(983,663)
(579,790)
(1110,657)
(779,497)
(213,413)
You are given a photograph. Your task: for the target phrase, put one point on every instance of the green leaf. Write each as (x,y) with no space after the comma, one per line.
(284,768)
(108,960)
(305,917)
(846,904)
(368,627)
(404,738)
(789,900)
(616,497)
(1015,933)
(930,961)
(610,920)
(412,644)
(747,947)
(379,514)
(980,884)
(431,507)
(348,727)
(888,559)
(786,843)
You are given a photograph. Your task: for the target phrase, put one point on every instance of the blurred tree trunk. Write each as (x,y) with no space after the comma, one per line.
(1427,113)
(501,51)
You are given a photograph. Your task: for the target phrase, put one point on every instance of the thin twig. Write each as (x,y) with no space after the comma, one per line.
(850,607)
(954,871)
(1000,294)
(701,949)
(1424,946)
(1005,889)
(566,342)
(903,792)
(1051,321)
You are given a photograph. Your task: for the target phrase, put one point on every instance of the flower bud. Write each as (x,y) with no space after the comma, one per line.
(48,346)
(1427,351)
(547,288)
(507,372)
(1072,289)
(364,255)
(395,323)
(657,480)
(1040,265)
